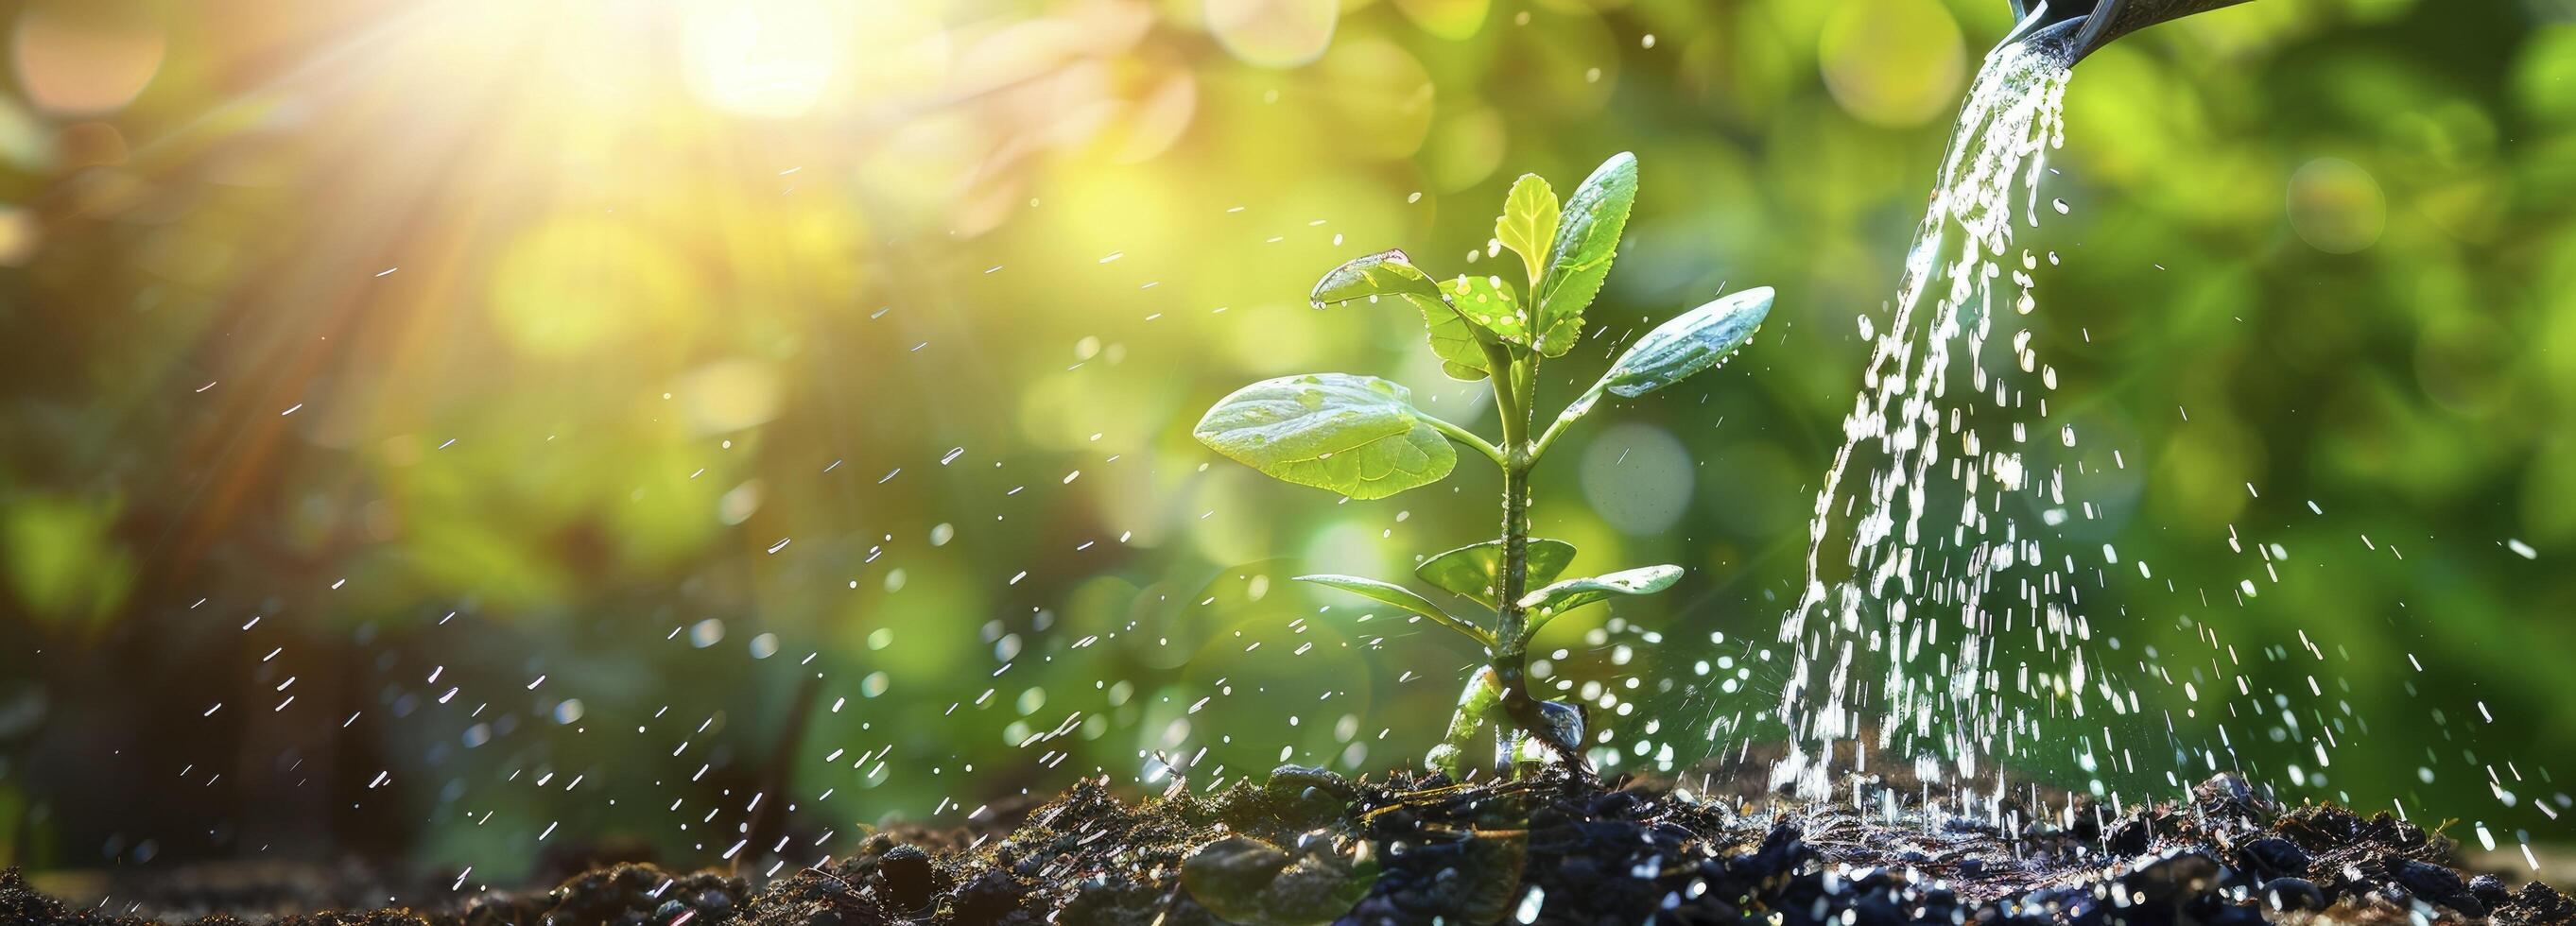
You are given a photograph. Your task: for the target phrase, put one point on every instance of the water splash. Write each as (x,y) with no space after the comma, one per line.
(1907,579)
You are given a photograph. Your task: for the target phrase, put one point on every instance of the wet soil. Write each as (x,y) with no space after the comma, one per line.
(1309,847)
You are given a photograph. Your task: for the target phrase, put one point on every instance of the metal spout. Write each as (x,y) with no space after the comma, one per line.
(2072,29)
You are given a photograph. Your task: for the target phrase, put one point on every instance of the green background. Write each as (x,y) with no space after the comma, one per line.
(468,344)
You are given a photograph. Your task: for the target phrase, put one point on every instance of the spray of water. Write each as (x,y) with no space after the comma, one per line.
(1924,448)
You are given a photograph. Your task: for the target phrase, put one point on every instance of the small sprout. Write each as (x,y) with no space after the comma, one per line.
(1362,436)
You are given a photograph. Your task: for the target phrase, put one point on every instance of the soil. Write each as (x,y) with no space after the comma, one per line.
(1309,847)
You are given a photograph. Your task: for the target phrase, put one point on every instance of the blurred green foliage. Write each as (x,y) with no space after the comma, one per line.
(468,344)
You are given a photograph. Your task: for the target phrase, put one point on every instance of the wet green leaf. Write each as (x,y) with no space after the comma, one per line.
(1528,223)
(1473,570)
(1587,237)
(1693,341)
(1390,274)
(1386,273)
(1454,341)
(1401,597)
(1574,593)
(1491,304)
(1357,435)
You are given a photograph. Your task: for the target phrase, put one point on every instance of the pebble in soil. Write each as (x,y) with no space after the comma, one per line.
(1309,847)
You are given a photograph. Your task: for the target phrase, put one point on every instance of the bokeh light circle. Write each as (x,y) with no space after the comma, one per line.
(1638,478)
(1466,146)
(730,395)
(1893,63)
(84,57)
(1449,19)
(20,234)
(2336,205)
(1274,33)
(1382,96)
(2544,78)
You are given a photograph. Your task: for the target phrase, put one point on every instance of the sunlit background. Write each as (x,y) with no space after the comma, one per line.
(470,433)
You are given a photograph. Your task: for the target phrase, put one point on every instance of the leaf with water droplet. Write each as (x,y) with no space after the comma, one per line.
(1472,570)
(1491,304)
(1692,342)
(1401,597)
(1528,223)
(1570,594)
(1357,435)
(1386,273)
(1392,274)
(1587,237)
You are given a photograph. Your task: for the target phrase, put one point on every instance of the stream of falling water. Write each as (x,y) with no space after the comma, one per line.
(1927,598)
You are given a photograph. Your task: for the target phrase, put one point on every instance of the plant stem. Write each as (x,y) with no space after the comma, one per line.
(1469,438)
(1580,407)
(1506,656)
(1517,462)
(1508,402)
(1515,579)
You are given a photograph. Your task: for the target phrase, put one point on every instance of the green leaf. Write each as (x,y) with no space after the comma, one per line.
(1386,273)
(1401,597)
(1574,593)
(1693,341)
(1473,570)
(1587,237)
(1461,358)
(1392,274)
(1528,223)
(1491,304)
(1357,435)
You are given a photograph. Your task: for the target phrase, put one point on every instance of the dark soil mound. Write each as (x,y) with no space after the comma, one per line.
(1309,847)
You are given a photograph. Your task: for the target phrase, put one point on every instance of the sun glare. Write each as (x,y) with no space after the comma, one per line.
(768,58)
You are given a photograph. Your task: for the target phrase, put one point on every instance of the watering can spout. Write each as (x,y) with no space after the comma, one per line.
(2072,29)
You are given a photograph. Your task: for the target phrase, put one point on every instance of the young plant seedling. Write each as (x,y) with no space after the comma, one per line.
(1361,436)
